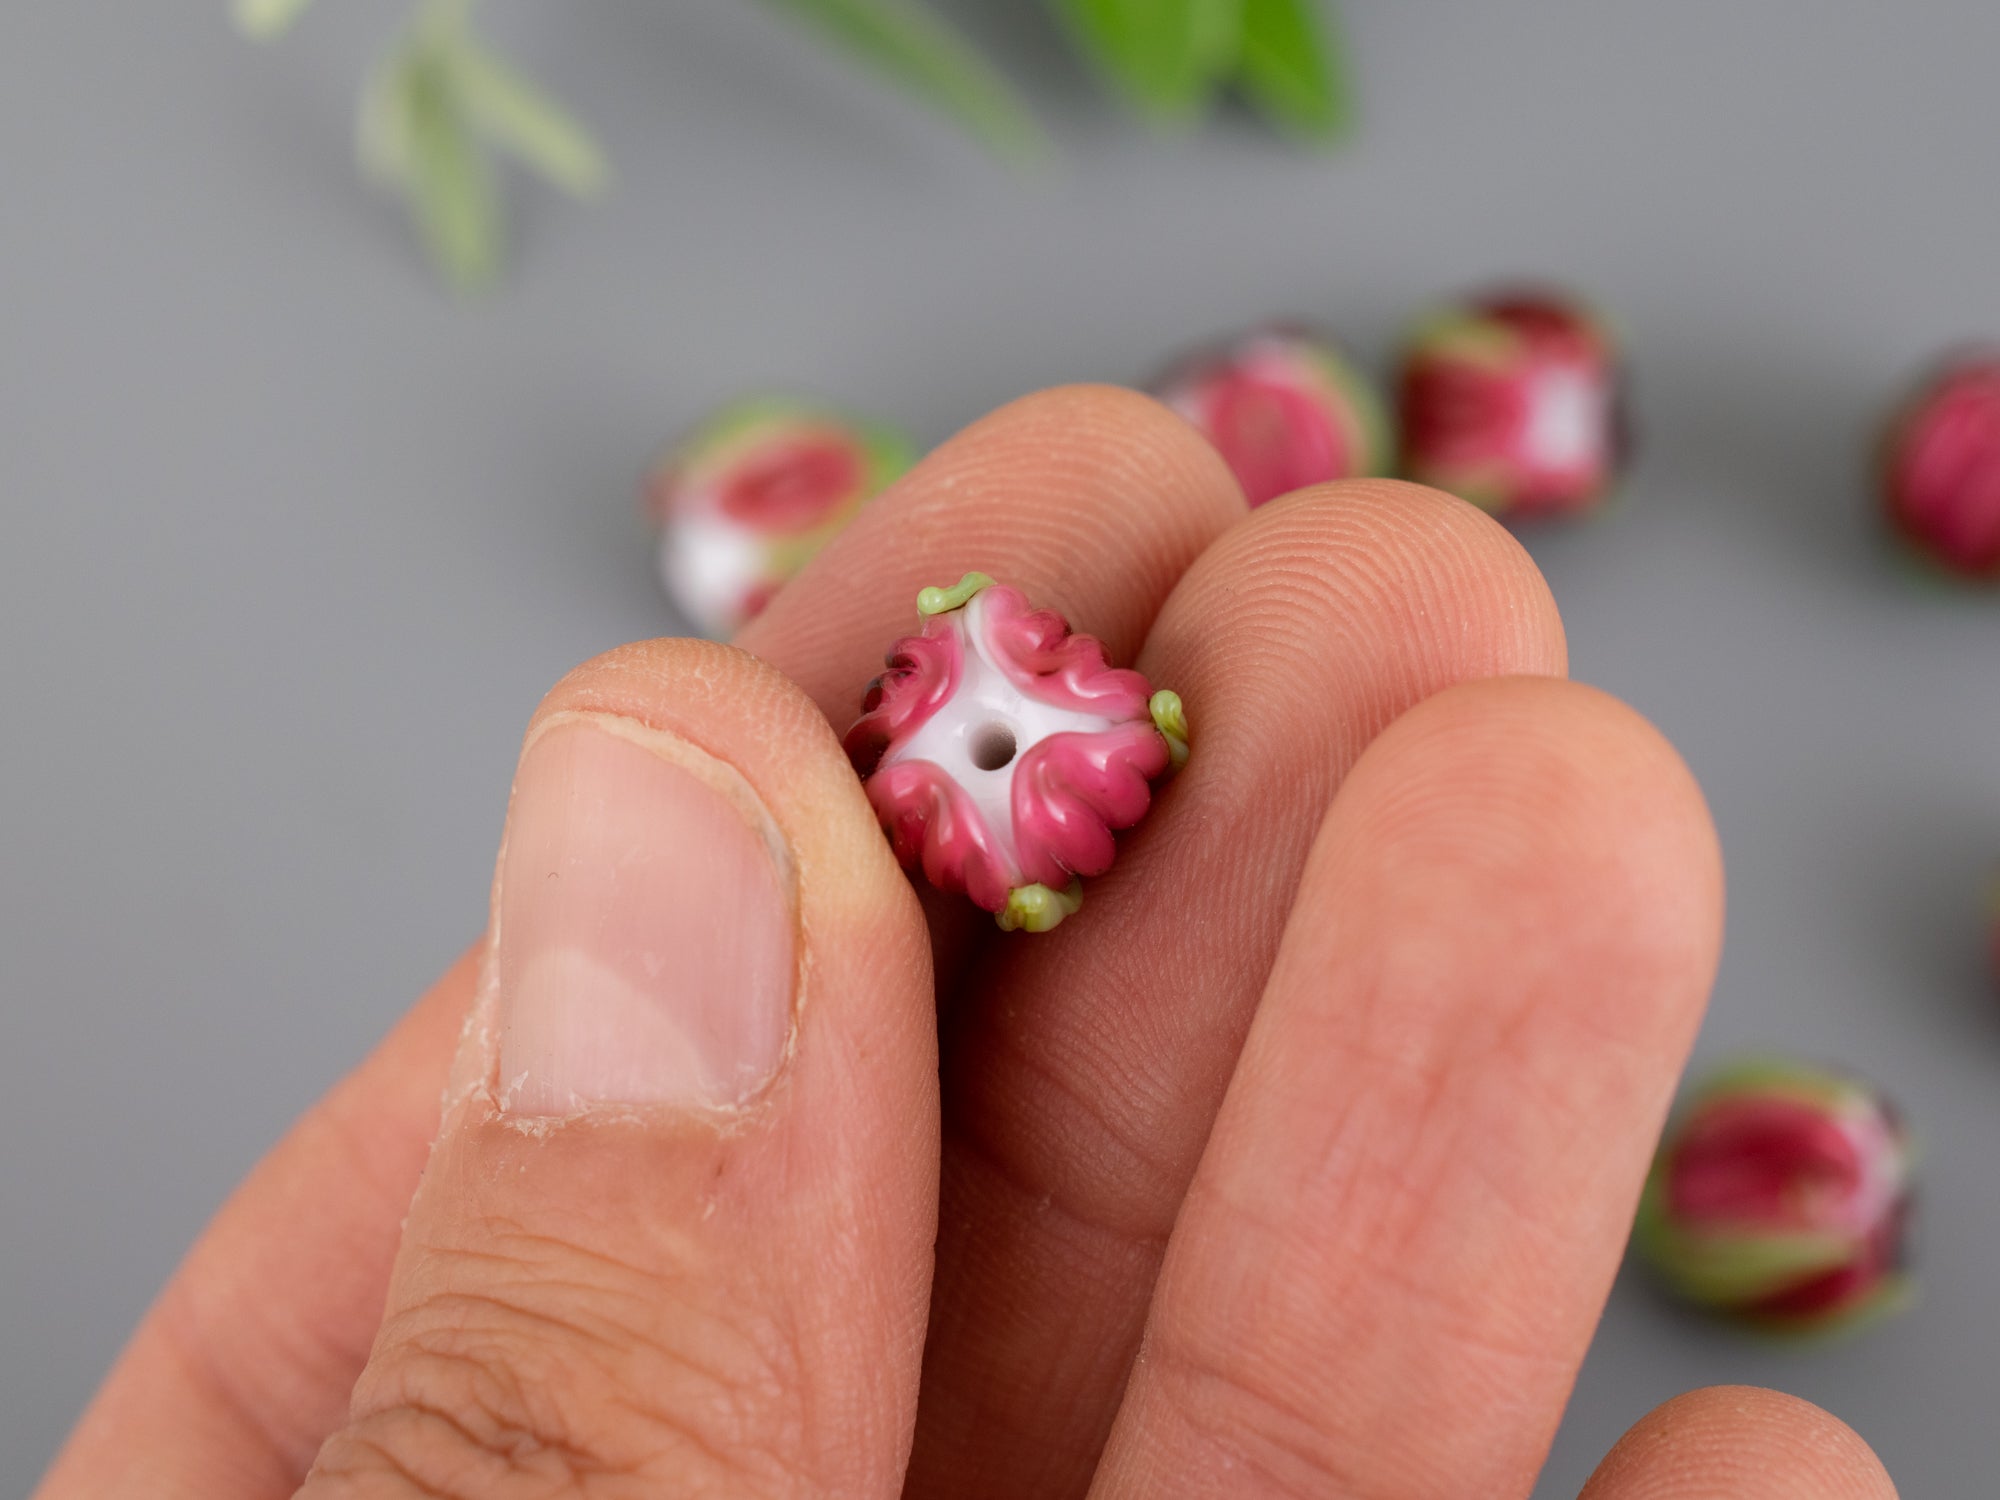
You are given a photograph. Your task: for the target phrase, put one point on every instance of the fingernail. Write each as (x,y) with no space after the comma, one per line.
(645,950)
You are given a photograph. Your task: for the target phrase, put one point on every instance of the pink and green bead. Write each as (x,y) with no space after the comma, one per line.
(1284,408)
(1002,752)
(1780,1197)
(750,496)
(1940,467)
(1514,402)
(1993,928)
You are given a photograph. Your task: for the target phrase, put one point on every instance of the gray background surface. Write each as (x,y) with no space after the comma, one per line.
(290,543)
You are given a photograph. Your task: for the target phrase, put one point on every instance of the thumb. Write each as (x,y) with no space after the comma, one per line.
(675,1234)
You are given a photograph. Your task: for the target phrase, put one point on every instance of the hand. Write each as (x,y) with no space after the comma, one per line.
(1299,1164)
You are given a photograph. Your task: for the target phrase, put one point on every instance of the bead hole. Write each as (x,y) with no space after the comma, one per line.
(992,746)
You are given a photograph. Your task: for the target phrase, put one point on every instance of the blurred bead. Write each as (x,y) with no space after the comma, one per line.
(747,499)
(1993,927)
(1780,1196)
(1941,467)
(1513,401)
(1283,408)
(1001,752)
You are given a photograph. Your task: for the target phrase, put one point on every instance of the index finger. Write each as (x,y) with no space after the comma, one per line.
(1092,500)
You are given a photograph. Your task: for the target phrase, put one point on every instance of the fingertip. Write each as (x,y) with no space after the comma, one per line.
(1087,416)
(651,680)
(1102,467)
(747,714)
(1570,734)
(1740,1442)
(1374,561)
(1411,510)
(1387,493)
(1579,798)
(679,1217)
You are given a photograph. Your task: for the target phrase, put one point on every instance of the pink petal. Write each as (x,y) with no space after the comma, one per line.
(1769,1162)
(930,818)
(793,481)
(1035,649)
(1071,790)
(923,673)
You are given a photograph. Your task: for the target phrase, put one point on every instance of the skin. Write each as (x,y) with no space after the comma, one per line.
(1298,1164)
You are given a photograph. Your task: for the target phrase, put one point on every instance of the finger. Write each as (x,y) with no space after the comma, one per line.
(244,1363)
(1092,500)
(1083,1070)
(1408,1216)
(676,1231)
(1737,1442)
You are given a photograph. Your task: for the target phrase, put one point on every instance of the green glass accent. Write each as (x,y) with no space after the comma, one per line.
(937,601)
(1457,333)
(748,420)
(1485,488)
(1036,908)
(1362,411)
(1775,1076)
(1170,718)
(1923,571)
(725,434)
(1891,1295)
(891,455)
(1728,1268)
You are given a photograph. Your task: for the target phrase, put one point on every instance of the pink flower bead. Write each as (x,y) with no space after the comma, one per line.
(1001,752)
(1284,409)
(1993,929)
(1781,1197)
(1513,402)
(750,496)
(1941,467)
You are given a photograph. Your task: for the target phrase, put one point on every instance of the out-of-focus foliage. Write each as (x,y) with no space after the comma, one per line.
(440,106)
(912,48)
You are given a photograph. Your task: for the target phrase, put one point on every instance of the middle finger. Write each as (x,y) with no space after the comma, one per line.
(1082,1069)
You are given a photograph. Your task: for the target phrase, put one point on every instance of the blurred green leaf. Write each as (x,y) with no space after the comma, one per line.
(267,18)
(519,116)
(383,125)
(449,181)
(906,43)
(1293,68)
(1166,55)
(429,110)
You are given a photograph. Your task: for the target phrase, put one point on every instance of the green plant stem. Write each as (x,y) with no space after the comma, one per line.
(911,47)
